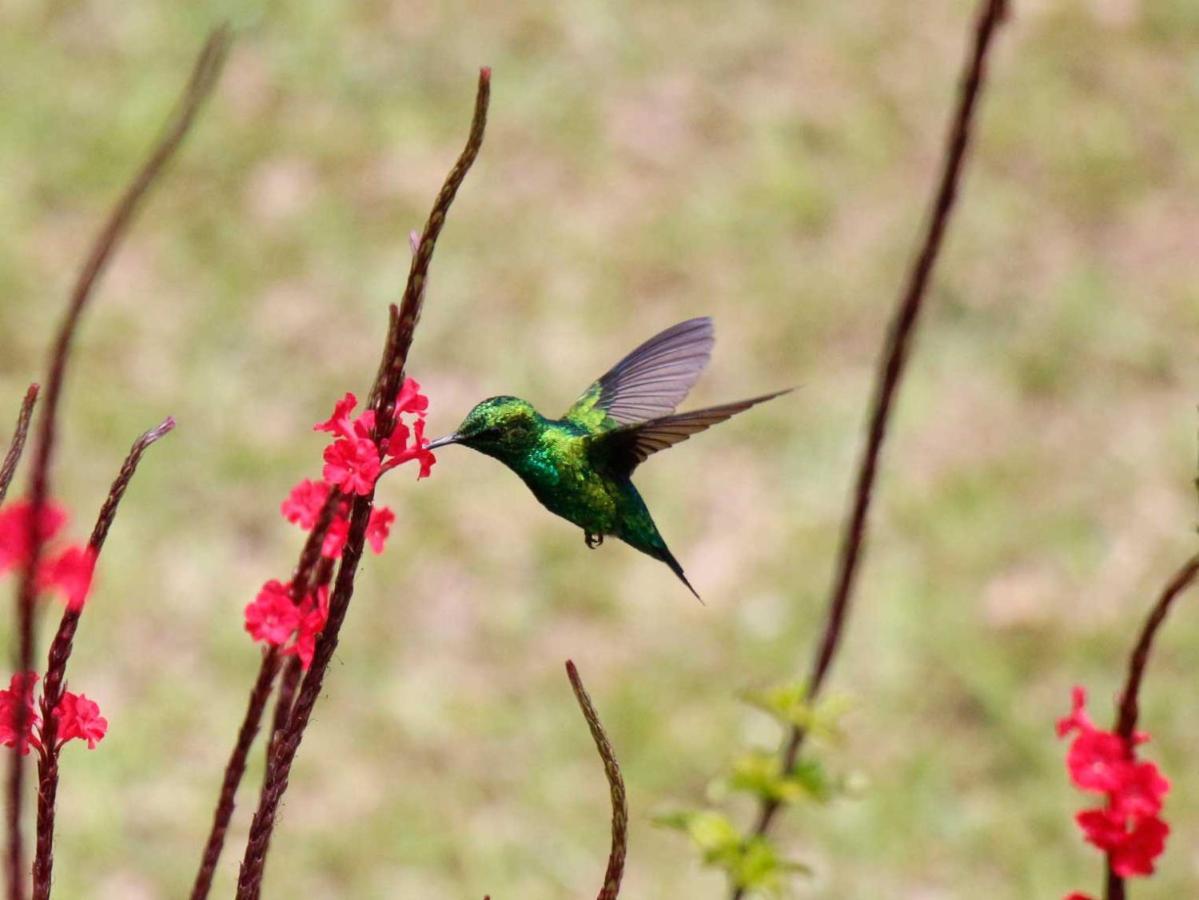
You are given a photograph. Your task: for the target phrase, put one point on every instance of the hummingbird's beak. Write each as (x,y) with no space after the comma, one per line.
(443,441)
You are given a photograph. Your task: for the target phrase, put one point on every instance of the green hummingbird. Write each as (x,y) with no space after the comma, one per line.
(580,466)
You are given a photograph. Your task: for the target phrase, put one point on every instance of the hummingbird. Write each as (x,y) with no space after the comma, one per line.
(580,466)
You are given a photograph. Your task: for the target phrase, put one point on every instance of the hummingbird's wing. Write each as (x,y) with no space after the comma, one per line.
(651,381)
(623,449)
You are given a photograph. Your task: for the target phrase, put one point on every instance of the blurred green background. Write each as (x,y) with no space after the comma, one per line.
(765,163)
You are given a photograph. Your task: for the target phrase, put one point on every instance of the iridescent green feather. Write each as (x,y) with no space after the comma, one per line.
(587,414)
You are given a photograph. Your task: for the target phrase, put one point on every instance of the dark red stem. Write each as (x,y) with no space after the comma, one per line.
(120,484)
(1126,716)
(395,357)
(310,563)
(17,444)
(283,703)
(1113,886)
(56,669)
(620,805)
(234,771)
(390,377)
(203,78)
(288,741)
(892,366)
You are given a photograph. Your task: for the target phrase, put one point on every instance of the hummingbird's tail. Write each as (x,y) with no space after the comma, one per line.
(637,529)
(668,558)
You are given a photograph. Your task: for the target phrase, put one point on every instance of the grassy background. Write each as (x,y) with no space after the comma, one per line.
(767,163)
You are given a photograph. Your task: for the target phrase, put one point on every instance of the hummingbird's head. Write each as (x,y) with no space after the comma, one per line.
(502,427)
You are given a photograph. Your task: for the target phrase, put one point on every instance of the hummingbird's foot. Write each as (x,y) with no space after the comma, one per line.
(592,540)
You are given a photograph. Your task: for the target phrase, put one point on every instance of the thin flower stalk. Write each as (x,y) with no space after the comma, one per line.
(310,560)
(56,667)
(610,889)
(1126,718)
(395,357)
(234,770)
(203,79)
(889,377)
(383,403)
(121,483)
(9,467)
(288,682)
(288,741)
(614,873)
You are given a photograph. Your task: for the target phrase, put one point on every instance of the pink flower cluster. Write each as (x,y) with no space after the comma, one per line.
(78,717)
(303,507)
(353,463)
(276,619)
(1128,827)
(67,572)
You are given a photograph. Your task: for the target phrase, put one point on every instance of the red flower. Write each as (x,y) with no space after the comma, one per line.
(335,538)
(1078,718)
(1078,895)
(339,423)
(1097,760)
(401,453)
(379,527)
(354,461)
(80,718)
(410,399)
(272,617)
(352,464)
(9,700)
(303,505)
(364,425)
(1102,827)
(70,573)
(14,531)
(1128,828)
(426,457)
(1141,791)
(398,442)
(315,612)
(1136,853)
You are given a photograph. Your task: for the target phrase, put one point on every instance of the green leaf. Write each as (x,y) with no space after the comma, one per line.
(759,868)
(711,832)
(750,863)
(790,705)
(811,774)
(761,774)
(786,702)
